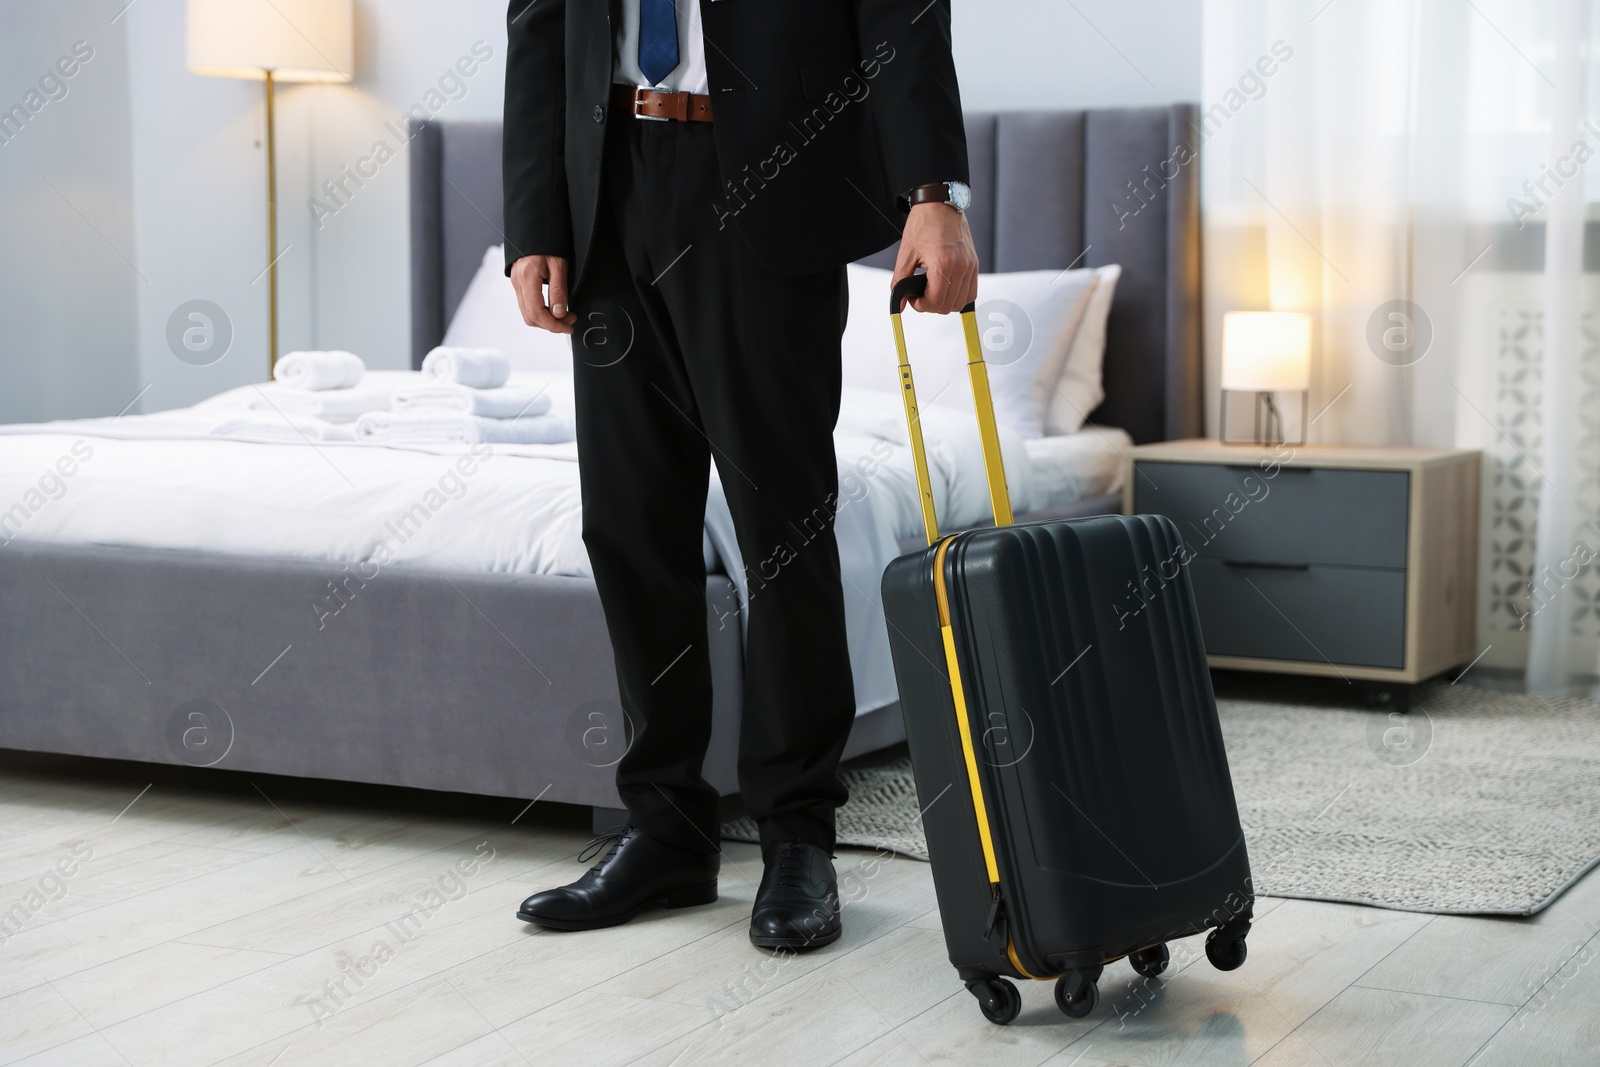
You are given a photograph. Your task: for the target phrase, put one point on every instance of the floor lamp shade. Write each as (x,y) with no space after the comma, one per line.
(295,40)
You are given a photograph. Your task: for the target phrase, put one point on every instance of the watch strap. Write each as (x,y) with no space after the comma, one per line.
(931,193)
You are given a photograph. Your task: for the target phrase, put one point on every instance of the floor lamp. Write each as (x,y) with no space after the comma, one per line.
(272,41)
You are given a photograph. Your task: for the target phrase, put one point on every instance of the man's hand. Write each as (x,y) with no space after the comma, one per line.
(528,277)
(937,238)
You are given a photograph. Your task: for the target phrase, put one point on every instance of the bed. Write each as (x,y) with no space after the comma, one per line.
(499,682)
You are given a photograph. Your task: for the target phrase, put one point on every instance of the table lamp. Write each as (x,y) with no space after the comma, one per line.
(272,41)
(1266,352)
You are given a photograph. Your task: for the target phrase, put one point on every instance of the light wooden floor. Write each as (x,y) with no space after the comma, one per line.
(207,925)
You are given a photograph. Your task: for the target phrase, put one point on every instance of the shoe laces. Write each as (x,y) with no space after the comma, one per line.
(613,837)
(791,864)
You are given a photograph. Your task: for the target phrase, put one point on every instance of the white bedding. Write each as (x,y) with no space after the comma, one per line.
(163,481)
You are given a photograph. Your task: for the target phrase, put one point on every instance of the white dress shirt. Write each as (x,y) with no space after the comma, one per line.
(690,74)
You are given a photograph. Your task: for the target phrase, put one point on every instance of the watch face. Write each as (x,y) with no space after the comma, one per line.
(960,196)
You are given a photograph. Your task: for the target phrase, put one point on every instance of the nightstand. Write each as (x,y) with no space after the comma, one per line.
(1353,562)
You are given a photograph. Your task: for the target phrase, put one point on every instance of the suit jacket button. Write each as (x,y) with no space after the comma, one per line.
(599,113)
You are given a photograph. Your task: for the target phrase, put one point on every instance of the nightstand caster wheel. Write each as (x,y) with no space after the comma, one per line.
(1077,993)
(1389,697)
(1225,947)
(1151,961)
(998,999)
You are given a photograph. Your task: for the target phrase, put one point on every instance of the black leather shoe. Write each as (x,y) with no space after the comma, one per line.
(635,873)
(797,906)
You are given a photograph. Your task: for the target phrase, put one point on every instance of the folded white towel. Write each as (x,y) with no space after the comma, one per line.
(417,427)
(335,405)
(477,368)
(506,402)
(269,426)
(320,370)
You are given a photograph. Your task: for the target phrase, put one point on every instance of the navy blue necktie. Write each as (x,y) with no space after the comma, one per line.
(658,39)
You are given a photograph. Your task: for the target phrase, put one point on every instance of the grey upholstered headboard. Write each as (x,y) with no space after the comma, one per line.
(1051,189)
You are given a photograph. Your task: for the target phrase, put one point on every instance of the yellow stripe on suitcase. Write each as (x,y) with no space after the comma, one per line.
(963,720)
(1000,498)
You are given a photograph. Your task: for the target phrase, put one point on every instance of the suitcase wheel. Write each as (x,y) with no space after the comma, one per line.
(1151,961)
(998,999)
(1225,946)
(1077,992)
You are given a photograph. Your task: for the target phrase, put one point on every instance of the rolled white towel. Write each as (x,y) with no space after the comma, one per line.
(506,402)
(269,426)
(320,370)
(418,428)
(476,368)
(335,405)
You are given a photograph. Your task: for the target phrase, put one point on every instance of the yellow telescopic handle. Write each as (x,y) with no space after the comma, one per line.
(993,464)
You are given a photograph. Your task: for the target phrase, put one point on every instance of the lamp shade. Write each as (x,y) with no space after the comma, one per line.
(297,40)
(1266,351)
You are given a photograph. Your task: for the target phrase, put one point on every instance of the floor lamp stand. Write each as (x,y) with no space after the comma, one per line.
(272,231)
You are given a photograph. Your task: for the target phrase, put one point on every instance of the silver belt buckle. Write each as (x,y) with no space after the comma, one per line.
(637,102)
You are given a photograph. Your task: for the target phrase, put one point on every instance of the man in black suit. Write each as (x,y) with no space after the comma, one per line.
(696,176)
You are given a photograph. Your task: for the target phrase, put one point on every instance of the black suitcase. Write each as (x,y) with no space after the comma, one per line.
(1064,736)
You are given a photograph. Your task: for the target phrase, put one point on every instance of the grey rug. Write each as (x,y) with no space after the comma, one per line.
(1477,802)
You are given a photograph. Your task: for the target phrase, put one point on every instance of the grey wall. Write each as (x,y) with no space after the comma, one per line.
(170,168)
(1014,54)
(67,281)
(200,186)
(200,171)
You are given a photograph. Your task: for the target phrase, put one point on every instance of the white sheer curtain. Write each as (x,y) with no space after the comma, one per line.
(1417,174)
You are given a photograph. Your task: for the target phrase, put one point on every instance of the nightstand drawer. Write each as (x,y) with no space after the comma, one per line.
(1313,613)
(1301,515)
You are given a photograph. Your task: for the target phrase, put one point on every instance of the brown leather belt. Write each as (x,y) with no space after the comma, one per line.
(655,104)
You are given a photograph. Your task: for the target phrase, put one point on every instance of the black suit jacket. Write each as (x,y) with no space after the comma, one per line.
(824,112)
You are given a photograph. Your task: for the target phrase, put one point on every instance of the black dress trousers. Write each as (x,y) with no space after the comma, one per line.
(689,352)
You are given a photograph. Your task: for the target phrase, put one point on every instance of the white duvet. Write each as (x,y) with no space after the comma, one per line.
(164,481)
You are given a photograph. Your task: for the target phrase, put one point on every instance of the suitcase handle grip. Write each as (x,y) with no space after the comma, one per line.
(993,464)
(912,285)
(909,288)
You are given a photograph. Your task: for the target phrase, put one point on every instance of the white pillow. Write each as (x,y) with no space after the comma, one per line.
(1081,386)
(1049,386)
(489,318)
(1027,321)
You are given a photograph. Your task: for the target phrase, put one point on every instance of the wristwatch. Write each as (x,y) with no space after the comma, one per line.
(957,194)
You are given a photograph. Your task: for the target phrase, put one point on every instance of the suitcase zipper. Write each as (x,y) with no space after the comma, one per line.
(970,755)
